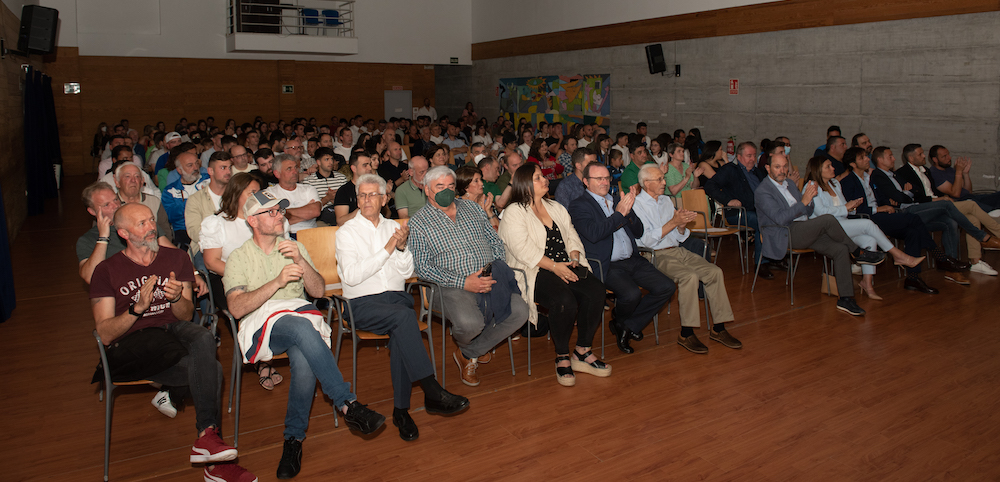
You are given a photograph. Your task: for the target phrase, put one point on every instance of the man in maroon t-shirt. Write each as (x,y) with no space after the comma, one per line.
(148,286)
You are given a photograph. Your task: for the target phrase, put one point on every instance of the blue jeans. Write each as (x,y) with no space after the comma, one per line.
(988,202)
(945,217)
(310,360)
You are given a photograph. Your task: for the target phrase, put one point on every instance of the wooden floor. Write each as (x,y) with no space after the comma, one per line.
(909,392)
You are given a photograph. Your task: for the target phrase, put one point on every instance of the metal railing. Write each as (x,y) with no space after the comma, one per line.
(294,17)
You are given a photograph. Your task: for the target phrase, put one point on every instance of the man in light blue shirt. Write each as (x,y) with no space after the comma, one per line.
(664,229)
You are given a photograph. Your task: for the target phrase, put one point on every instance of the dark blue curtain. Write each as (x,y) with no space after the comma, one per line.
(41,140)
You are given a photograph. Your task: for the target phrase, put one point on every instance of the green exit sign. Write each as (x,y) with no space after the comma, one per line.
(454,60)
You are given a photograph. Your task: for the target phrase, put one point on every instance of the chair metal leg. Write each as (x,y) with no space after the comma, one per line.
(510,348)
(656,328)
(790,276)
(236,423)
(108,410)
(529,350)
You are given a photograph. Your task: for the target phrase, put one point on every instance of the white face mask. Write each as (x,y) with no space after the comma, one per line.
(104,129)
(788,149)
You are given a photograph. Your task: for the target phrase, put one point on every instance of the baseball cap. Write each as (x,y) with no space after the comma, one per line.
(262,201)
(171,136)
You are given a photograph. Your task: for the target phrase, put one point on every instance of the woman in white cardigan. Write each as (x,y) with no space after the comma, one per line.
(540,240)
(864,232)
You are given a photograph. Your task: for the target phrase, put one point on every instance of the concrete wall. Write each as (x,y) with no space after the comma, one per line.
(933,80)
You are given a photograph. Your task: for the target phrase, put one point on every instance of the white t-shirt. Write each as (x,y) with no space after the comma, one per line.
(524,149)
(581,142)
(217,232)
(486,140)
(106,164)
(343,151)
(207,154)
(437,139)
(250,167)
(216,199)
(301,196)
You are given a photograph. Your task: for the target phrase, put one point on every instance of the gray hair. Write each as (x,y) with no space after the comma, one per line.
(88,192)
(370,179)
(649,172)
(118,171)
(279,158)
(410,162)
(436,173)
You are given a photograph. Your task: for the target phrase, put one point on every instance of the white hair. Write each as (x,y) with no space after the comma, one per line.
(436,173)
(370,179)
(649,172)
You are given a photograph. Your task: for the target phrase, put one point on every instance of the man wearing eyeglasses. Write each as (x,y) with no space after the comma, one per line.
(374,262)
(241,159)
(266,282)
(608,228)
(303,200)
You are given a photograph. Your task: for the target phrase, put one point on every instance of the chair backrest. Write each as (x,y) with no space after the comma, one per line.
(801,182)
(403,222)
(322,248)
(310,16)
(332,17)
(406,150)
(695,200)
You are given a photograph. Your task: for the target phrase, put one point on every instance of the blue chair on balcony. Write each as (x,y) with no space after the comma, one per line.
(310,18)
(332,19)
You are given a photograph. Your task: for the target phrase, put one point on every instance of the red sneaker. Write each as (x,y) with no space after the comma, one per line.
(211,448)
(228,473)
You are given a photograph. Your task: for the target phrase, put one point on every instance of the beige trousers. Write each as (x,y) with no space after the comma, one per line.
(981,220)
(687,269)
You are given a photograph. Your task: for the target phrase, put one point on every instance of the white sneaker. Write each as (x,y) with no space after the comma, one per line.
(994,213)
(162,403)
(856,270)
(983,268)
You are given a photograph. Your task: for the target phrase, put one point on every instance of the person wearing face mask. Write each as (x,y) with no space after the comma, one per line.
(455,246)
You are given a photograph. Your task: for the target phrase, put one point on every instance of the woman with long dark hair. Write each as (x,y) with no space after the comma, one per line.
(541,241)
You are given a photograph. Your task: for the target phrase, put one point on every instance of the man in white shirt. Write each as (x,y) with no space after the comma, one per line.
(588,136)
(427,110)
(346,139)
(374,262)
(216,146)
(664,229)
(241,159)
(303,201)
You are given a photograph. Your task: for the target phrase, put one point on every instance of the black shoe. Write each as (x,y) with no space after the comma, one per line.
(780,265)
(951,264)
(614,331)
(849,306)
(407,427)
(917,284)
(862,256)
(291,459)
(622,337)
(764,273)
(448,404)
(363,419)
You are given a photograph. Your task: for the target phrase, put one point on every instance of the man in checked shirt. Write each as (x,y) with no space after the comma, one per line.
(452,242)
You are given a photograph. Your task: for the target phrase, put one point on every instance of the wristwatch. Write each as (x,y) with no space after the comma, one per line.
(131,311)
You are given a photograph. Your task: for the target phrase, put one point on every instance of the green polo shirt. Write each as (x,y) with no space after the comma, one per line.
(630,175)
(503,180)
(410,197)
(492,187)
(248,268)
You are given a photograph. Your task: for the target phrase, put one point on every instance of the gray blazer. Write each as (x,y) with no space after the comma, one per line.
(772,208)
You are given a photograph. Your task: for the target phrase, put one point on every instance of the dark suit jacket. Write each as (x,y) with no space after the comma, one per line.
(729,183)
(773,209)
(906,174)
(885,190)
(852,189)
(596,229)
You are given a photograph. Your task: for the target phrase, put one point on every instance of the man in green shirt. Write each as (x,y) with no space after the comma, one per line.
(410,195)
(491,171)
(639,157)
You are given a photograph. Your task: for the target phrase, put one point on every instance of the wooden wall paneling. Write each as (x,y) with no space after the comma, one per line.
(286,102)
(231,89)
(767,17)
(74,138)
(423,84)
(328,89)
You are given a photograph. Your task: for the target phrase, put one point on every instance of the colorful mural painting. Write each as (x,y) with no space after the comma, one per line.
(574,99)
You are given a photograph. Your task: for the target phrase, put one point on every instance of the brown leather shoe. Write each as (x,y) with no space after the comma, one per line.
(692,344)
(484,358)
(468,369)
(957,277)
(725,338)
(992,243)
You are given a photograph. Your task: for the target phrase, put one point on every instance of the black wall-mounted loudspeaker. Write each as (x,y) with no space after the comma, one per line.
(654,57)
(38,30)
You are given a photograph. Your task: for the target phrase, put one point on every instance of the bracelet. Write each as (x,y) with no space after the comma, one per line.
(103,239)
(574,259)
(131,311)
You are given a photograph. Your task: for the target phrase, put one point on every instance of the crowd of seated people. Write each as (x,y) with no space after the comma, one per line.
(504,219)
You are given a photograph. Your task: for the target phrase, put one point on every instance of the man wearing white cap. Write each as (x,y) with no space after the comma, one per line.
(266,281)
(170,141)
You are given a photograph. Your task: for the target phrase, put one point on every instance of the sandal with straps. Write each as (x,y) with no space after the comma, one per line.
(598,368)
(565,375)
(273,376)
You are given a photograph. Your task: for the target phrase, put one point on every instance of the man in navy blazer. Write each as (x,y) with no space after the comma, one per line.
(733,185)
(608,228)
(897,224)
(779,203)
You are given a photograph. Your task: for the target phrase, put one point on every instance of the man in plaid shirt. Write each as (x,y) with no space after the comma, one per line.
(452,242)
